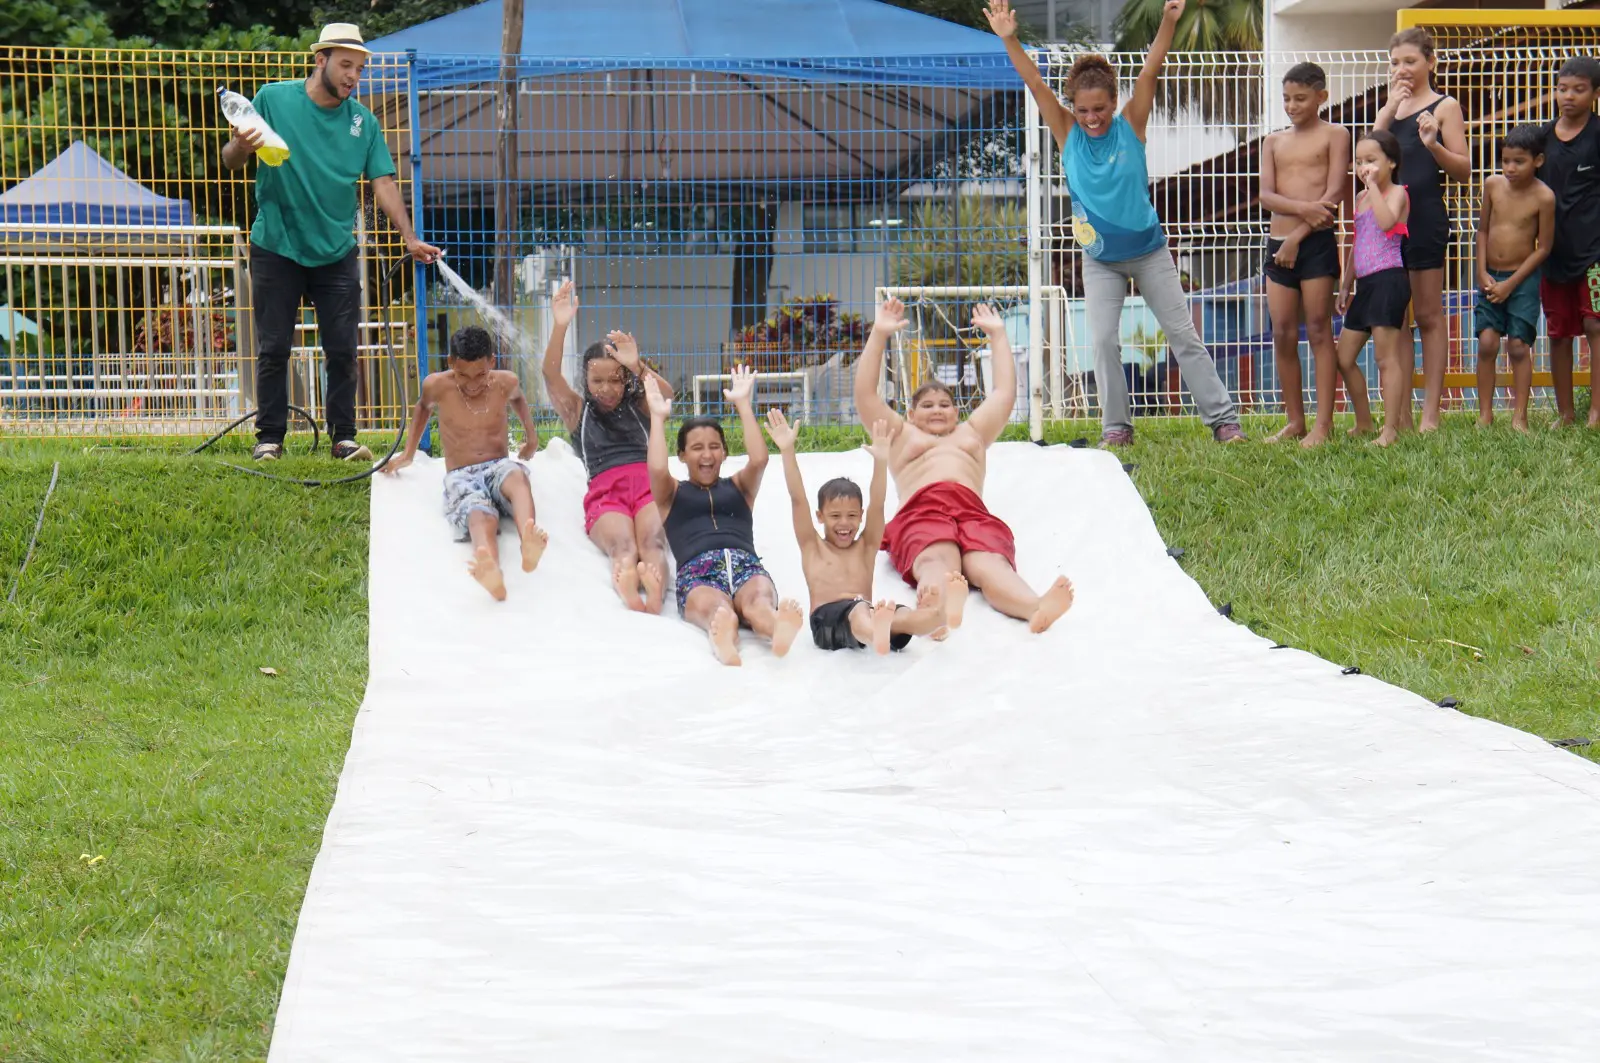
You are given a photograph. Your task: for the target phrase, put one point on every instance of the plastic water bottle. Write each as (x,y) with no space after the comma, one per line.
(241,115)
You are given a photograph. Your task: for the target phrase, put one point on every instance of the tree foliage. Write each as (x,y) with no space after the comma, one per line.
(1214,92)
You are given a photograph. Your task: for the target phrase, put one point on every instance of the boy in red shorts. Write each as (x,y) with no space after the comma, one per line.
(943,535)
(1570,287)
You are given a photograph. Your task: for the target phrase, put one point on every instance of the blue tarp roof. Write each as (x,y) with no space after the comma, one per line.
(78,187)
(832,40)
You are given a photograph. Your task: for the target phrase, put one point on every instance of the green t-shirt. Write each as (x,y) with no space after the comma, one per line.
(306,208)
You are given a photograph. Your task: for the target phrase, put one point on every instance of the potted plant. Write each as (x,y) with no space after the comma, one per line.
(804,331)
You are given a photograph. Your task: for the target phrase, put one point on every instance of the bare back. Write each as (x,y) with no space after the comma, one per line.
(919,459)
(471,430)
(1513,221)
(1301,160)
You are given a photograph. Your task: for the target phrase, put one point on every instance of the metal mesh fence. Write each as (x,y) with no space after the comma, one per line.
(723,217)
(1213,114)
(719,214)
(124,261)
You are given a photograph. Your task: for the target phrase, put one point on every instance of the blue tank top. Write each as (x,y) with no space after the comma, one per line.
(1112,217)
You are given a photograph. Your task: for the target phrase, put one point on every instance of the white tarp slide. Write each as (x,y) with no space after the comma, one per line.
(564,833)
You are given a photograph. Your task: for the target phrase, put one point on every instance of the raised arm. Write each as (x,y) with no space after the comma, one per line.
(783,437)
(882,439)
(568,403)
(891,318)
(419,424)
(742,394)
(1003,21)
(1144,90)
(1443,132)
(992,415)
(625,349)
(663,488)
(530,433)
(1399,92)
(1388,209)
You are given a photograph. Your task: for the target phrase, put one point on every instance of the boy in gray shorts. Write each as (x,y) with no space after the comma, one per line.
(482,482)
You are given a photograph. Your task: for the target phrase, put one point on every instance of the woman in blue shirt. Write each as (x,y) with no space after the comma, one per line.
(1115,224)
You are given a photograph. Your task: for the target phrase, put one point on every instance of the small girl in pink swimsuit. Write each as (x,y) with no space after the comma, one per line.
(1375,269)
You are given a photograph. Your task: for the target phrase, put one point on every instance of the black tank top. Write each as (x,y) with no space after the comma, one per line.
(606,440)
(1419,170)
(709,518)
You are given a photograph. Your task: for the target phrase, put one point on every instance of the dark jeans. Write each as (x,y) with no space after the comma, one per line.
(276,287)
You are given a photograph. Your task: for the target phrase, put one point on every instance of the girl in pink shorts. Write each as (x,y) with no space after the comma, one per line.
(610,426)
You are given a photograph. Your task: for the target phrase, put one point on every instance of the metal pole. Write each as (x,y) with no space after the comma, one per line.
(507,201)
(419,283)
(1034,162)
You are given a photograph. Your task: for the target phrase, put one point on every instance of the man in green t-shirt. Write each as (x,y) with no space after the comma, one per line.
(302,243)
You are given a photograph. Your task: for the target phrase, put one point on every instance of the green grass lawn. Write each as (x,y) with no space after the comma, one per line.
(135,725)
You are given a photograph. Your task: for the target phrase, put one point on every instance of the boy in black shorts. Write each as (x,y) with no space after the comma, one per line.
(1304,173)
(1570,287)
(839,564)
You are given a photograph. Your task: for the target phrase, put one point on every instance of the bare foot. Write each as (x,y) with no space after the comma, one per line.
(1520,424)
(1485,420)
(932,597)
(650,576)
(1056,600)
(486,571)
(1292,430)
(955,599)
(1316,437)
(1563,421)
(534,540)
(882,617)
(1385,437)
(785,627)
(625,580)
(725,636)
(1359,430)
(1429,424)
(1593,421)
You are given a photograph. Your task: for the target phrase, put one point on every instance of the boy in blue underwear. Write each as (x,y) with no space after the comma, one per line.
(482,482)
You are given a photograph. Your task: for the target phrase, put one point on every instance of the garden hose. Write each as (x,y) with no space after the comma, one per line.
(385,298)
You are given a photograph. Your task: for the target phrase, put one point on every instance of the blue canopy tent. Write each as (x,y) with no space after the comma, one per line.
(695,90)
(646,118)
(79,188)
(99,261)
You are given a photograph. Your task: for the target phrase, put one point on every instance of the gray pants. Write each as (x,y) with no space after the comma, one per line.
(1105,287)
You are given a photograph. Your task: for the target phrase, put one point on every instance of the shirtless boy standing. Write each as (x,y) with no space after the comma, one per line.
(1515,231)
(943,536)
(481,481)
(839,563)
(1305,173)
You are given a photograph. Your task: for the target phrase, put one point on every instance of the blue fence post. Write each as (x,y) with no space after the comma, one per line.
(419,284)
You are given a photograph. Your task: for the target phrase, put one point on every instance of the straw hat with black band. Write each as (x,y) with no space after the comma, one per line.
(341,35)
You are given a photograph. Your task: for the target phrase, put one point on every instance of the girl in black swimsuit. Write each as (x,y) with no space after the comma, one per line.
(1433,143)
(608,420)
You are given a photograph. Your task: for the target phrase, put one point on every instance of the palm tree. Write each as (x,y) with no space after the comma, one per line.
(1215,91)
